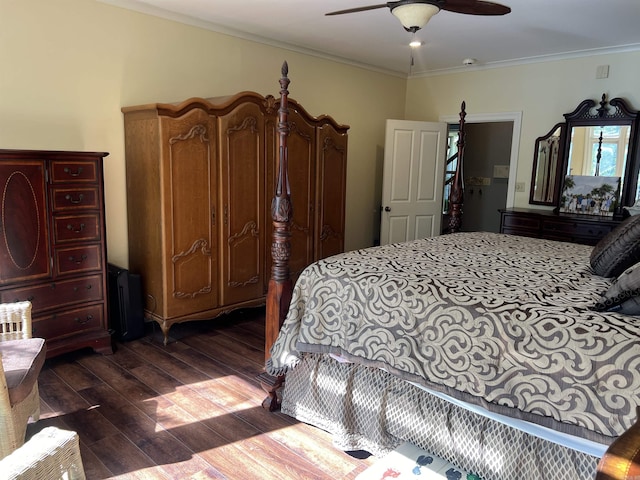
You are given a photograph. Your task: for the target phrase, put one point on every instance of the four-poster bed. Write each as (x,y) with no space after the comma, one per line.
(481,348)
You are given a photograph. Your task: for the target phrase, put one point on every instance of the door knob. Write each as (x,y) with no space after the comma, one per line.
(387,209)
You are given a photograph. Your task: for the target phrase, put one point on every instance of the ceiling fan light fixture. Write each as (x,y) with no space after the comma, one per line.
(414,16)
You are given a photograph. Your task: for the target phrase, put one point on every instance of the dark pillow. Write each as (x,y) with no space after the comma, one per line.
(618,250)
(624,295)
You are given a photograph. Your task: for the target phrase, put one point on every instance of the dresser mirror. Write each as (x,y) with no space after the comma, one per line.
(601,142)
(547,165)
(597,144)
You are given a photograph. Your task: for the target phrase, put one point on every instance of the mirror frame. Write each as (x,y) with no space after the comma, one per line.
(559,178)
(614,112)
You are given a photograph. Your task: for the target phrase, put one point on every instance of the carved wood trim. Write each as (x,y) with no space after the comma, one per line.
(251,281)
(330,143)
(249,123)
(293,128)
(328,232)
(249,230)
(202,245)
(199,130)
(270,104)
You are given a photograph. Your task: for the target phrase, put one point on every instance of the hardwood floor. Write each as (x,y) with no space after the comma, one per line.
(191,409)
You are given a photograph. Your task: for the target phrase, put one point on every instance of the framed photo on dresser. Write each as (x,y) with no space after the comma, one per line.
(590,195)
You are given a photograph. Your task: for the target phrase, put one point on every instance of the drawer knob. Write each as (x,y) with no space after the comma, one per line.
(82,321)
(70,172)
(29,299)
(74,200)
(73,229)
(78,260)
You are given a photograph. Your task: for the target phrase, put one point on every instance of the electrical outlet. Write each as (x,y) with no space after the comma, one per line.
(519,186)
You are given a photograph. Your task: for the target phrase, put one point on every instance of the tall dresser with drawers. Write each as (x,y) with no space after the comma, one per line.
(53,246)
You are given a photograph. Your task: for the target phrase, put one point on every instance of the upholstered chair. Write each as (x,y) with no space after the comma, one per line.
(21,360)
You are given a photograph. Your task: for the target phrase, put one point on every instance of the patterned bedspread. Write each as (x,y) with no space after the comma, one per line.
(498,320)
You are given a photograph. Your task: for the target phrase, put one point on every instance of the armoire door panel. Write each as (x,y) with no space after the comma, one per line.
(242,200)
(271,150)
(189,187)
(330,193)
(24,244)
(301,144)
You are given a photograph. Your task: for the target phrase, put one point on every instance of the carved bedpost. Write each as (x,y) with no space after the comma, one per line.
(621,461)
(456,197)
(280,285)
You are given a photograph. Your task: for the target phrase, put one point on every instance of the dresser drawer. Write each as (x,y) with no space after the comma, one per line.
(70,322)
(69,171)
(57,294)
(82,259)
(577,229)
(515,223)
(523,232)
(69,199)
(76,228)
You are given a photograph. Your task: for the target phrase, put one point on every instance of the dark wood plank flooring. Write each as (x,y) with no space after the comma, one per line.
(191,409)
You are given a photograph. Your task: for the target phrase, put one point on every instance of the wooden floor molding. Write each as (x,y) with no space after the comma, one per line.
(191,409)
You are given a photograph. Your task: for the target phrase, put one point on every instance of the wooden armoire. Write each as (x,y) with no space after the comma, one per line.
(53,245)
(200,180)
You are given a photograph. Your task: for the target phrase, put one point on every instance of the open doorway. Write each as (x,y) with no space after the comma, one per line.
(490,162)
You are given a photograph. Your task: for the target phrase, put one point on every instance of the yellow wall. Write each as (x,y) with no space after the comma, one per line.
(543,92)
(68,66)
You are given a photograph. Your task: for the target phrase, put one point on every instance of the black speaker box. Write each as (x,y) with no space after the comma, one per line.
(126,314)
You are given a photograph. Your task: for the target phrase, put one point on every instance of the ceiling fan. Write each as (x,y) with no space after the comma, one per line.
(414,14)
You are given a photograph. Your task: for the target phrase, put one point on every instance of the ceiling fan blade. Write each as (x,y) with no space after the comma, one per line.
(475,7)
(358,9)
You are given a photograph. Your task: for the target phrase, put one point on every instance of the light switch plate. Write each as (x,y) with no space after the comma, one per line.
(501,171)
(602,71)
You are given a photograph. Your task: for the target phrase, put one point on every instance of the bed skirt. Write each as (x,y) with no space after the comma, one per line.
(365,408)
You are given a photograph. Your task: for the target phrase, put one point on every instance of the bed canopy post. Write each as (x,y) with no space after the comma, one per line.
(456,197)
(280,285)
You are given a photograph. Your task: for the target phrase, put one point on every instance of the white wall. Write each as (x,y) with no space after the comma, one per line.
(68,66)
(543,92)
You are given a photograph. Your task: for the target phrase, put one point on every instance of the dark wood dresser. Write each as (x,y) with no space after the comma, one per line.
(586,229)
(53,246)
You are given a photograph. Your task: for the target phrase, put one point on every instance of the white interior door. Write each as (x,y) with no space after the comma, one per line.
(412,183)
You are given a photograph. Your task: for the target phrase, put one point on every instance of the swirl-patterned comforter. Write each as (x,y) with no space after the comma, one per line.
(502,321)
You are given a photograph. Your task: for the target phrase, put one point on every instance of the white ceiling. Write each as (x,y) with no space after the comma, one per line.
(534,30)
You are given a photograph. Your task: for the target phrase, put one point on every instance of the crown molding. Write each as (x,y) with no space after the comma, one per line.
(144,8)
